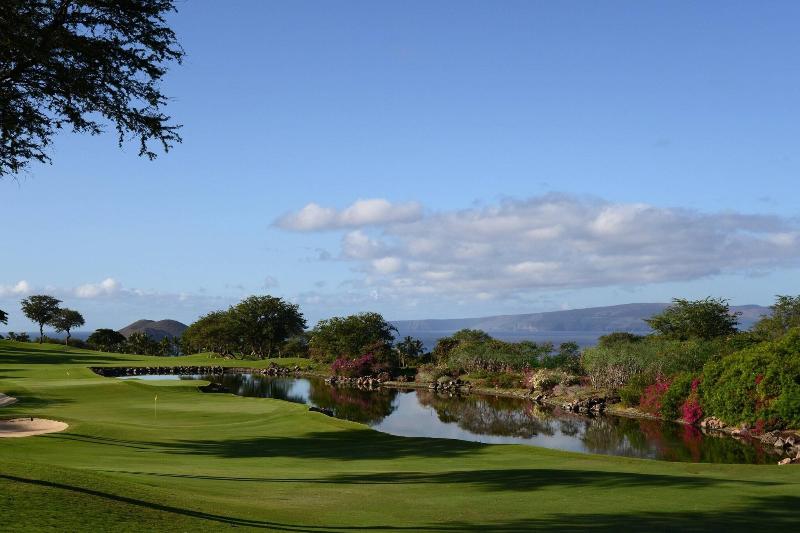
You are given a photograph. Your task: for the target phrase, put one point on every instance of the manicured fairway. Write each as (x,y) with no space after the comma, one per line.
(192,461)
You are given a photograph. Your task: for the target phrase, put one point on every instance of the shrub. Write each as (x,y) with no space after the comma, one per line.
(543,379)
(613,366)
(653,394)
(505,381)
(675,396)
(366,365)
(632,392)
(691,411)
(496,356)
(761,382)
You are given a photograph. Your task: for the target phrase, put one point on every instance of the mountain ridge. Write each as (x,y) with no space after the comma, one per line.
(622,317)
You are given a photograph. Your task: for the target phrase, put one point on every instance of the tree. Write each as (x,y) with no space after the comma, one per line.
(263,323)
(67,63)
(785,316)
(213,332)
(618,337)
(19,337)
(141,344)
(65,320)
(699,319)
(41,309)
(3,317)
(445,345)
(410,348)
(106,340)
(352,336)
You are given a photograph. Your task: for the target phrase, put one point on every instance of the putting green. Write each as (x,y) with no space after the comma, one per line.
(164,456)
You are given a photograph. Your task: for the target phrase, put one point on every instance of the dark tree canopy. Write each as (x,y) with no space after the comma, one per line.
(263,323)
(699,319)
(83,64)
(352,336)
(42,309)
(3,317)
(65,320)
(106,340)
(785,316)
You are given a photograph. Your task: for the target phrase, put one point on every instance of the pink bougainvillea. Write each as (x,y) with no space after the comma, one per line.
(652,395)
(365,365)
(691,411)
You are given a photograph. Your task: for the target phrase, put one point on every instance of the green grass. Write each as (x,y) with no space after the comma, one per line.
(204,462)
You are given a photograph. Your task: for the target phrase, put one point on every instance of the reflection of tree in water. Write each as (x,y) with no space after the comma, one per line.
(667,441)
(365,406)
(258,386)
(490,415)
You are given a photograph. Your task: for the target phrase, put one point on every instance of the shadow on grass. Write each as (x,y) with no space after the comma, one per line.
(357,444)
(106,441)
(775,511)
(22,355)
(521,479)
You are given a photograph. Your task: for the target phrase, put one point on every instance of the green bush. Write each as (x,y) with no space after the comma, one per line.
(496,356)
(631,393)
(615,365)
(761,383)
(672,400)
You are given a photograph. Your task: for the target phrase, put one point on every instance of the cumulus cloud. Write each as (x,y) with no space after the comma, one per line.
(362,213)
(106,287)
(20,288)
(559,242)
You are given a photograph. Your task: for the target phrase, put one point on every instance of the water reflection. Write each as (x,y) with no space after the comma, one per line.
(424,413)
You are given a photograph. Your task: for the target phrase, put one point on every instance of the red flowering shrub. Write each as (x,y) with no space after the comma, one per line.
(366,365)
(691,411)
(650,400)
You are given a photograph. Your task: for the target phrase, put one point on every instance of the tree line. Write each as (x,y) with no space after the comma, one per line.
(45,310)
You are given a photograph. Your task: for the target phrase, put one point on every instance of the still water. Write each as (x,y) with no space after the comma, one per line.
(497,420)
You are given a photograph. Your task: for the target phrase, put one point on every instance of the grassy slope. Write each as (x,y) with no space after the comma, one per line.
(210,462)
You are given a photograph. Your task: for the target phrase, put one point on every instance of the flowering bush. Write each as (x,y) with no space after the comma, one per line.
(652,396)
(366,365)
(691,411)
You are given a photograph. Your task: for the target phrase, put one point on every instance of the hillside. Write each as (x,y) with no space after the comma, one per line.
(156,329)
(592,322)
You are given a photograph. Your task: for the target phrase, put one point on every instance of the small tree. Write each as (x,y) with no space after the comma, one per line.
(141,344)
(41,309)
(409,348)
(785,316)
(65,320)
(3,317)
(106,340)
(699,319)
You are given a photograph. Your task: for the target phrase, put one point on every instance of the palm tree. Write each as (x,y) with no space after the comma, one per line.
(409,347)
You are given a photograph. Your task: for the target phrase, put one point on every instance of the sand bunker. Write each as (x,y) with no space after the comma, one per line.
(27,427)
(6,400)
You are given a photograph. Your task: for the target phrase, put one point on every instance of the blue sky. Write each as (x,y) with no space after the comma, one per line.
(508,156)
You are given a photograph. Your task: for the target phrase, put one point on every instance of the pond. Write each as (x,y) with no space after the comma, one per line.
(497,420)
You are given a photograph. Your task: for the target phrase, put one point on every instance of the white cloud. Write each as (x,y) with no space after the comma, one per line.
(362,213)
(20,288)
(106,287)
(558,242)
